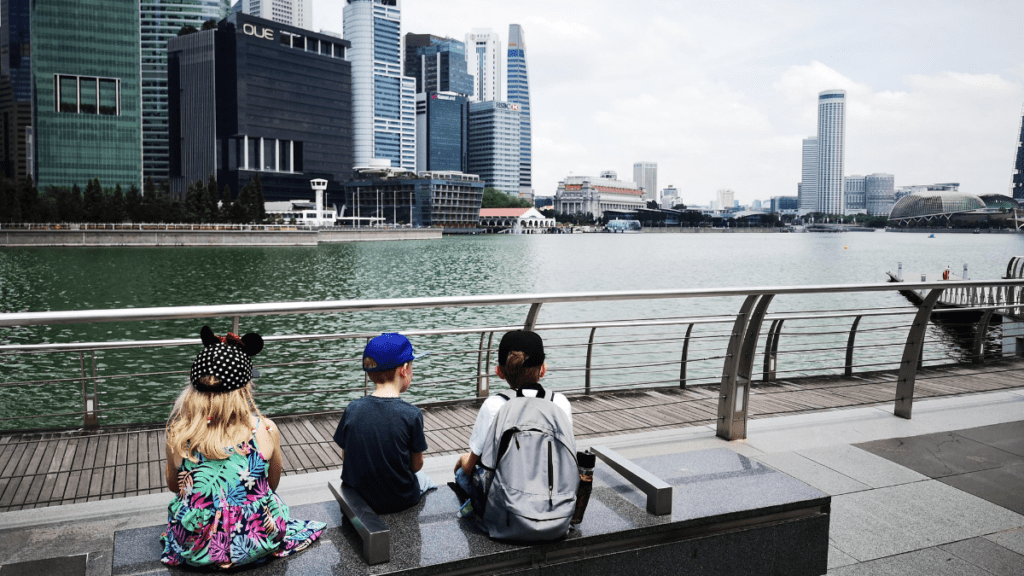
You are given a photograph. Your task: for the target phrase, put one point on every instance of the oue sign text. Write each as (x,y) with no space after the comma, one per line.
(257,31)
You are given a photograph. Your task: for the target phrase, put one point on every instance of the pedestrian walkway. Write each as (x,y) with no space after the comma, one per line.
(937,495)
(59,468)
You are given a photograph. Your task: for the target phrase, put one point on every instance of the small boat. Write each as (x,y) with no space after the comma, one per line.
(931,235)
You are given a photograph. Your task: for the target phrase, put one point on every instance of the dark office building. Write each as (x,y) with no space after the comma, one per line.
(15,88)
(1018,166)
(259,97)
(441,199)
(442,132)
(438,64)
(784,203)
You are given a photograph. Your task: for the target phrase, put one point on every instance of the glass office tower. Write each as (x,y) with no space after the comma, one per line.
(383,100)
(519,93)
(831,144)
(160,21)
(87,110)
(15,88)
(1017,183)
(437,64)
(809,185)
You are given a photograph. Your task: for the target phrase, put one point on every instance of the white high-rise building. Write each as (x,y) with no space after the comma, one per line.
(726,199)
(494,144)
(645,174)
(383,100)
(297,13)
(831,144)
(483,61)
(880,193)
(854,191)
(808,189)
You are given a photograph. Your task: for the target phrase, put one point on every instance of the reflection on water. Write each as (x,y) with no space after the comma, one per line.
(35,279)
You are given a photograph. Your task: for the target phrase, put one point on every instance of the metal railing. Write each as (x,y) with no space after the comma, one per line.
(592,355)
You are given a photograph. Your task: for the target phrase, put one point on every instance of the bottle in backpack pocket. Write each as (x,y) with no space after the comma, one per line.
(586,462)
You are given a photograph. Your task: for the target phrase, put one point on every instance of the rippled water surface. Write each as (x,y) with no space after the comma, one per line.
(36,279)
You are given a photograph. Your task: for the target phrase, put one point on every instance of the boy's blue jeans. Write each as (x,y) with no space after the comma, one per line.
(473,484)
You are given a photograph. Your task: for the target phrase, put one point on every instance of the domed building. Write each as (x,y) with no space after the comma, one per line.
(930,205)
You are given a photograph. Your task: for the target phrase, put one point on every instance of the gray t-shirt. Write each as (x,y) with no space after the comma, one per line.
(379,437)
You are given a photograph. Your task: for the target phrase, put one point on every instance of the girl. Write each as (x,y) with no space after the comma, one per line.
(223,464)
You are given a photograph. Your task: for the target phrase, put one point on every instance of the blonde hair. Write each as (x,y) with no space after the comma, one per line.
(515,374)
(207,422)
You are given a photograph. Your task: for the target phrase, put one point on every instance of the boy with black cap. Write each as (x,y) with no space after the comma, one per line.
(381,435)
(521,364)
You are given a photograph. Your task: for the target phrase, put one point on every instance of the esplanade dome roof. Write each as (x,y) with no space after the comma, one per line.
(998,201)
(934,203)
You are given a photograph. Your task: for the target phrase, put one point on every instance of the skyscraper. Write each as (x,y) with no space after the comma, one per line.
(854,191)
(87,106)
(298,13)
(645,174)
(519,93)
(494,144)
(808,190)
(1017,182)
(880,194)
(483,57)
(437,64)
(15,88)
(383,100)
(831,143)
(442,132)
(160,21)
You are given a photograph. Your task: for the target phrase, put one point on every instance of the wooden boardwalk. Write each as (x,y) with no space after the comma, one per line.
(50,469)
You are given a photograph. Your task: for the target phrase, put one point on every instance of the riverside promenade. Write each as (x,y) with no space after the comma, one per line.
(941,493)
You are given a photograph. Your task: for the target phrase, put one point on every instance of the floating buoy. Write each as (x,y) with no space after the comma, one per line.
(846,247)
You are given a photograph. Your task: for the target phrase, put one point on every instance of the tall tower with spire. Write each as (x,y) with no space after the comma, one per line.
(519,93)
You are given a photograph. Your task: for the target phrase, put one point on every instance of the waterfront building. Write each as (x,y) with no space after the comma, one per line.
(831,154)
(257,97)
(756,205)
(645,175)
(589,195)
(442,132)
(483,59)
(519,93)
(391,196)
(1017,179)
(669,197)
(856,202)
(15,88)
(494,144)
(880,194)
(784,205)
(437,64)
(807,190)
(160,21)
(515,221)
(298,13)
(725,199)
(86,109)
(610,174)
(383,99)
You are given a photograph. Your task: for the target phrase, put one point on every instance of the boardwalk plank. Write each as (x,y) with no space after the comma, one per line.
(33,474)
(131,470)
(53,466)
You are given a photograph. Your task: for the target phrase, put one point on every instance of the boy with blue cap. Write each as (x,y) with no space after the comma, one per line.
(381,435)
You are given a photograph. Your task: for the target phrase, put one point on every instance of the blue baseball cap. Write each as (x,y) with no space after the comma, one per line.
(387,352)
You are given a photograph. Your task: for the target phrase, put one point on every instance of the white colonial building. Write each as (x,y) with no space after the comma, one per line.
(514,221)
(586,194)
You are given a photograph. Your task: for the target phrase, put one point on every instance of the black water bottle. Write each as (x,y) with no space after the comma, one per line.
(585,461)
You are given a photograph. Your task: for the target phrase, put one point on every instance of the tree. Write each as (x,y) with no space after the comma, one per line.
(187,29)
(132,202)
(211,199)
(494,198)
(240,207)
(10,205)
(92,201)
(195,202)
(28,197)
(258,209)
(210,24)
(114,205)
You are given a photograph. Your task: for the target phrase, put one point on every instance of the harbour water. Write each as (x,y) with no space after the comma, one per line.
(36,279)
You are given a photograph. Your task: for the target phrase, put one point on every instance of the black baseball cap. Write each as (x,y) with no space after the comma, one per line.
(529,343)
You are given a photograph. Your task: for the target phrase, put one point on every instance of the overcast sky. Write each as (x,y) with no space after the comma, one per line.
(720,94)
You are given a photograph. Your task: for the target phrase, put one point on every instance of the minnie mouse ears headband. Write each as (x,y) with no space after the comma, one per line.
(227,358)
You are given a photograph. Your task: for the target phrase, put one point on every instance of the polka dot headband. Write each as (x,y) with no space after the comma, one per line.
(227,358)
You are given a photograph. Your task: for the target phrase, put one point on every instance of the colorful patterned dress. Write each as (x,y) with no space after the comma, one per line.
(226,514)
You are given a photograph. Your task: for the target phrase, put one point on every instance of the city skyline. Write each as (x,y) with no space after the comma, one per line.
(934,94)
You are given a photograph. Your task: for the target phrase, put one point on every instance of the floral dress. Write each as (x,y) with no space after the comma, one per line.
(226,514)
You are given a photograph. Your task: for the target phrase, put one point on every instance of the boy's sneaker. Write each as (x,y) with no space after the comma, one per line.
(466,509)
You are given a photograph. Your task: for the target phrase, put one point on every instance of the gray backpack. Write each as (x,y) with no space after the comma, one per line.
(532,474)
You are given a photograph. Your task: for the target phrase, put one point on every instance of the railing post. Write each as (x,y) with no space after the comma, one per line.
(234,325)
(482,373)
(531,316)
(849,347)
(686,354)
(733,394)
(771,351)
(89,419)
(590,356)
(913,352)
(978,351)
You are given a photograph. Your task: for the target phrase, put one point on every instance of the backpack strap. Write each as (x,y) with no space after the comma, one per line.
(537,387)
